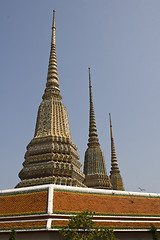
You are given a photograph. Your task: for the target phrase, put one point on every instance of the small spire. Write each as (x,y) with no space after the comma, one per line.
(114,164)
(115,176)
(94,163)
(52,85)
(93,136)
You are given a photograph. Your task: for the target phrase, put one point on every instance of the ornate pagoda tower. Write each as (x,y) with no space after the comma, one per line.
(94,164)
(115,176)
(51,155)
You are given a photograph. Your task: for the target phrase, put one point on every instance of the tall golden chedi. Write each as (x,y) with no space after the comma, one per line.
(94,164)
(115,176)
(51,155)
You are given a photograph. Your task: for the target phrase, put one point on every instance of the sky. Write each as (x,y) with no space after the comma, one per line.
(119,41)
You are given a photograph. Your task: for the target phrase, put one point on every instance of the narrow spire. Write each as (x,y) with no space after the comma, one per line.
(114,164)
(115,176)
(93,136)
(52,85)
(94,163)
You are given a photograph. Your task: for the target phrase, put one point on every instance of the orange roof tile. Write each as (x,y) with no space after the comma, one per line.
(23,225)
(70,202)
(23,203)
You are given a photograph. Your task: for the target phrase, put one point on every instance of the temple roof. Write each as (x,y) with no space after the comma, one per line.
(49,207)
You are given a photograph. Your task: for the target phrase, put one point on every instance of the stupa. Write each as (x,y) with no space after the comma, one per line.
(115,176)
(94,163)
(51,155)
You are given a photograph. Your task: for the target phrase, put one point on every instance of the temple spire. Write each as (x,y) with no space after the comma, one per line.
(93,136)
(51,155)
(94,164)
(115,177)
(52,85)
(114,164)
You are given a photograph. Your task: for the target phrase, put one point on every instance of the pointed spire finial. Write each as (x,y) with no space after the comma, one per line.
(52,85)
(54,28)
(110,120)
(111,131)
(89,77)
(93,136)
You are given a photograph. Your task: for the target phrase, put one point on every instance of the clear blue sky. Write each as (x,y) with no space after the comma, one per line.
(120,41)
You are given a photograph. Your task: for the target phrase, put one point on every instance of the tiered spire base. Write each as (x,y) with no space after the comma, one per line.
(117,182)
(51,156)
(94,169)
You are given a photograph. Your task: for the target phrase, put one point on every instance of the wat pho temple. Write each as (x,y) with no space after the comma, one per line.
(53,187)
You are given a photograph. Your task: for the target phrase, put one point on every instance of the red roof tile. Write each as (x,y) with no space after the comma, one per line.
(105,204)
(23,203)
